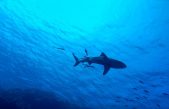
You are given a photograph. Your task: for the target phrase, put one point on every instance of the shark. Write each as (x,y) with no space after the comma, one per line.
(102,59)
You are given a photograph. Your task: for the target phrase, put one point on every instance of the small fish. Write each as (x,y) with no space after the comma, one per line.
(165,93)
(153,85)
(135,88)
(126,105)
(141,82)
(129,99)
(118,97)
(158,105)
(144,97)
(87,65)
(90,66)
(146,91)
(60,48)
(137,98)
(118,101)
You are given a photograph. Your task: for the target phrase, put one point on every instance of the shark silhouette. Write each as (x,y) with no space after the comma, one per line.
(102,60)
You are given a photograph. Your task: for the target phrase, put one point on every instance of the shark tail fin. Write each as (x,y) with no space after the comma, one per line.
(76,59)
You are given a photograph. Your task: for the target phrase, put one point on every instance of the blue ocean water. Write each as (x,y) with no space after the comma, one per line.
(38,37)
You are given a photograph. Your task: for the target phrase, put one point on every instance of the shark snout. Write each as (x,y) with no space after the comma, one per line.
(123,65)
(119,65)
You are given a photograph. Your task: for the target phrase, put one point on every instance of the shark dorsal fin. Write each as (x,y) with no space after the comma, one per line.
(103,54)
(106,69)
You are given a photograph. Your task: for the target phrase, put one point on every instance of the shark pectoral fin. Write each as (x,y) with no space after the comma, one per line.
(106,69)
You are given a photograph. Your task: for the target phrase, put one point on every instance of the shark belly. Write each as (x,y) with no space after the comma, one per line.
(97,60)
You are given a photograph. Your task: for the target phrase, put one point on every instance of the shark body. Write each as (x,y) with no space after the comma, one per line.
(102,60)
